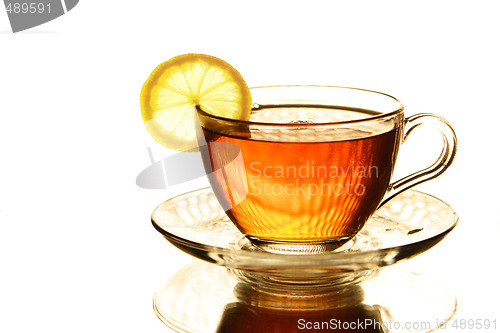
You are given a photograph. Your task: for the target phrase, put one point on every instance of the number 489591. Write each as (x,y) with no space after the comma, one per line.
(476,324)
(28,7)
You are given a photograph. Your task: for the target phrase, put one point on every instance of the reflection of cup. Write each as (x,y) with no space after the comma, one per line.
(339,312)
(314,163)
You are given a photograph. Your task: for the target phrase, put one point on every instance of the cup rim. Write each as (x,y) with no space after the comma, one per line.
(389,114)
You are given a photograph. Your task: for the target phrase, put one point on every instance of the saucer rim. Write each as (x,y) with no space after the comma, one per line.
(180,242)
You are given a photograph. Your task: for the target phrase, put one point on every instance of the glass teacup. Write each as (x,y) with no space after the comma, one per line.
(312,164)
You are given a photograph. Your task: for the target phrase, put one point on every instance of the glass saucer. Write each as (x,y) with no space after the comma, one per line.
(406,226)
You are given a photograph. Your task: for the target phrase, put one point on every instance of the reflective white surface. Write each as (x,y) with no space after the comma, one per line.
(77,250)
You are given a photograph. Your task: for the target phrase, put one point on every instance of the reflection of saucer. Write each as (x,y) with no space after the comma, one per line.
(406,226)
(205,298)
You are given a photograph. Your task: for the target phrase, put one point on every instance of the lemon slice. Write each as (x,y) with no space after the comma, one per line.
(172,91)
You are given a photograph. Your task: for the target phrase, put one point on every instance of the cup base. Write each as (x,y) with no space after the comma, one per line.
(298,248)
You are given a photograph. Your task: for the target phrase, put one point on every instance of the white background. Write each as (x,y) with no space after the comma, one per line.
(77,250)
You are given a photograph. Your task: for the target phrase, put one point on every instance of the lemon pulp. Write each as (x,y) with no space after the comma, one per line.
(173,90)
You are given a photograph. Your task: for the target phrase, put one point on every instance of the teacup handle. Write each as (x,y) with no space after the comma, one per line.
(442,163)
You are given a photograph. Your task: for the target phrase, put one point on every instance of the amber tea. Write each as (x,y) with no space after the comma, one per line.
(300,184)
